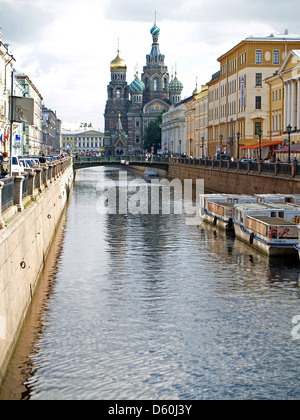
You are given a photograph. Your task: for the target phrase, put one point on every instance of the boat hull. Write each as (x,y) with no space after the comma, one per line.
(226,225)
(270,249)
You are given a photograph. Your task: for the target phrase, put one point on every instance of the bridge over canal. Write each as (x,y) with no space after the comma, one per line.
(92,161)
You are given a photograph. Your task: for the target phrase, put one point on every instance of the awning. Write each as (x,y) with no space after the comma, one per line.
(295,148)
(263,144)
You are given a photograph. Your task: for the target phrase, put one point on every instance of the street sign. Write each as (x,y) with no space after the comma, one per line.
(243,90)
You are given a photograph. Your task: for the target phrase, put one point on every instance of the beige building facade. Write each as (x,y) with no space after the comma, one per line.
(238,97)
(173,130)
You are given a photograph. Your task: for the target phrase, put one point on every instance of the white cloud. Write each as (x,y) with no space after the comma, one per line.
(66,47)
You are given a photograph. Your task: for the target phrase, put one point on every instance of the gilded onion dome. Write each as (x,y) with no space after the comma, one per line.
(175,85)
(137,86)
(118,63)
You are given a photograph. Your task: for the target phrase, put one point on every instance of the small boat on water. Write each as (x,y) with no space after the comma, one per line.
(149,172)
(268,227)
(217,209)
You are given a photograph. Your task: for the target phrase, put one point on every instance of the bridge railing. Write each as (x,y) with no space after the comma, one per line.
(277,168)
(22,187)
(118,159)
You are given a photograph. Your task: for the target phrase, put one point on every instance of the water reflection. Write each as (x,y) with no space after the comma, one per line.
(146,307)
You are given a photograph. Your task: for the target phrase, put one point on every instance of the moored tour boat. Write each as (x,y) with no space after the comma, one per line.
(297,246)
(268,227)
(217,209)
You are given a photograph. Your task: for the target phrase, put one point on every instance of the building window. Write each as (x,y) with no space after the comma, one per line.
(258,79)
(275,57)
(257,128)
(155,85)
(257,102)
(118,94)
(258,57)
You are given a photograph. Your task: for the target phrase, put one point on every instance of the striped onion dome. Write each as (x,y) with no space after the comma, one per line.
(175,85)
(137,85)
(155,31)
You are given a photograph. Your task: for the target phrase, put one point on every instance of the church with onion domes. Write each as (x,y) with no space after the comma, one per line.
(131,107)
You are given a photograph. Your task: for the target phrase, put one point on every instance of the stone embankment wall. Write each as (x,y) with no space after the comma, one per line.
(28,229)
(236,182)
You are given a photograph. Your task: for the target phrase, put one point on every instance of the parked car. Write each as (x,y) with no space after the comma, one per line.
(26,163)
(17,164)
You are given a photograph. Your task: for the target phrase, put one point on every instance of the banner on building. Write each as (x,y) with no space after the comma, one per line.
(23,110)
(243,90)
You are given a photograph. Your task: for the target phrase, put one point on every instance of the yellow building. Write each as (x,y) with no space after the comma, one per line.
(83,142)
(196,123)
(238,96)
(284,101)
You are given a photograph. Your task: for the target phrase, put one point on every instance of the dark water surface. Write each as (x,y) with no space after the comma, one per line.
(146,307)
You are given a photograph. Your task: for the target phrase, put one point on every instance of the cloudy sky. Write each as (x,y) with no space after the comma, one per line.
(66,46)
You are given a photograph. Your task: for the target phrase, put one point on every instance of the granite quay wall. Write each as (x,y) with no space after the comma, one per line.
(31,206)
(239,177)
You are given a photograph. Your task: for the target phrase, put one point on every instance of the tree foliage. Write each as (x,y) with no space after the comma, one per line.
(152,135)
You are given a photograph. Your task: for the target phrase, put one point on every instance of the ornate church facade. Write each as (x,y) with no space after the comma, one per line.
(131,107)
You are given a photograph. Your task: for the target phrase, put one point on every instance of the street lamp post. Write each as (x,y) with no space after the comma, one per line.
(202,138)
(259,137)
(221,140)
(191,140)
(238,135)
(180,147)
(289,130)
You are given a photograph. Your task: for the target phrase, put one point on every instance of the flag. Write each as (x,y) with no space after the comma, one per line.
(1,138)
(23,109)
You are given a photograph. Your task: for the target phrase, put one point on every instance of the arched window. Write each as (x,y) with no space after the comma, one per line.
(118,94)
(155,85)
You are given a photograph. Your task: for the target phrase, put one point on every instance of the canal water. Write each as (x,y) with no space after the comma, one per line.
(137,306)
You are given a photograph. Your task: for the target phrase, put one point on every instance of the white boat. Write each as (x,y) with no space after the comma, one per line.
(217,209)
(278,198)
(268,227)
(148,172)
(297,246)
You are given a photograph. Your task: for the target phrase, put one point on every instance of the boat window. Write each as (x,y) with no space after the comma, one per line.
(273,214)
(236,200)
(281,214)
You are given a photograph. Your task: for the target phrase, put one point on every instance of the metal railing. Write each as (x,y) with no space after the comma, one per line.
(261,168)
(7,193)
(119,159)
(15,189)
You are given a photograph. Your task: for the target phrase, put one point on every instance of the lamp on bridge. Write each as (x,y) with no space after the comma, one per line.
(191,141)
(289,130)
(259,137)
(238,136)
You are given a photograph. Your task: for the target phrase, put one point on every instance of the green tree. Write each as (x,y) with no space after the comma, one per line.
(152,135)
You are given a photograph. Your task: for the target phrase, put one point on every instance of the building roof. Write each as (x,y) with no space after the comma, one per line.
(286,37)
